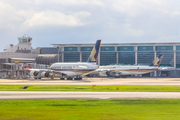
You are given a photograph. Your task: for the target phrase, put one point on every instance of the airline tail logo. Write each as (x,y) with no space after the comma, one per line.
(158,60)
(95,52)
(92,55)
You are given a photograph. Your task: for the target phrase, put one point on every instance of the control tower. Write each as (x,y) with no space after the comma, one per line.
(25,39)
(24,46)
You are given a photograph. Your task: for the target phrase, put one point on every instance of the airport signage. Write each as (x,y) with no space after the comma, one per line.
(27,67)
(16,62)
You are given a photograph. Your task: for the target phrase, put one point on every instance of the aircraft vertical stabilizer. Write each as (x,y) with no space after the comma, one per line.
(157,61)
(95,52)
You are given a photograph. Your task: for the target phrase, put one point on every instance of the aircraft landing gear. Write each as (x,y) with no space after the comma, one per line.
(61,78)
(69,78)
(117,76)
(121,76)
(78,78)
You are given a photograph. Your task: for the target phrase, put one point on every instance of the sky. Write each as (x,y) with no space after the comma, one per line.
(85,21)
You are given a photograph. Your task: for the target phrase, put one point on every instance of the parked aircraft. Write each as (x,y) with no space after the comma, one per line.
(71,70)
(119,71)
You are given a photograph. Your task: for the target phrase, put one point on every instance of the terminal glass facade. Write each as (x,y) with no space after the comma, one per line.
(107,58)
(164,48)
(123,55)
(71,57)
(126,48)
(86,51)
(70,49)
(145,58)
(178,59)
(126,58)
(126,55)
(86,48)
(107,48)
(168,59)
(145,48)
(145,55)
(178,48)
(85,56)
(48,51)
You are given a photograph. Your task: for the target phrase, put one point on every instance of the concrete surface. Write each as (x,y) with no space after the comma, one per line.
(97,81)
(5,95)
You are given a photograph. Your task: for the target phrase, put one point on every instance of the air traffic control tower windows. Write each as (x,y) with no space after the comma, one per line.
(24,39)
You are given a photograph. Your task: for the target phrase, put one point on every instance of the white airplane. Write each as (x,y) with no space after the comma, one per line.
(119,71)
(71,70)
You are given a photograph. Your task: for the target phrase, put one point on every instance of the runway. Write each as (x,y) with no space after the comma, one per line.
(96,81)
(25,95)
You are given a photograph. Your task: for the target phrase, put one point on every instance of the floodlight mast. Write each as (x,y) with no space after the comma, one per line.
(11,59)
(58,53)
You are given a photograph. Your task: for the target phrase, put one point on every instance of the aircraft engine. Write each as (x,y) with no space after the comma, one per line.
(44,74)
(108,73)
(34,73)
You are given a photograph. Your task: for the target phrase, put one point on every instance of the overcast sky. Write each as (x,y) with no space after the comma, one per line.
(85,21)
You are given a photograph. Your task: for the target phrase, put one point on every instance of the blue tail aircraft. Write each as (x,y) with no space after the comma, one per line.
(71,70)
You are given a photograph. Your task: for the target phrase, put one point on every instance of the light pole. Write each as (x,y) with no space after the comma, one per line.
(11,59)
(58,53)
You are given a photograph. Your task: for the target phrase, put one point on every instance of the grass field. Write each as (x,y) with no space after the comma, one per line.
(152,109)
(90,88)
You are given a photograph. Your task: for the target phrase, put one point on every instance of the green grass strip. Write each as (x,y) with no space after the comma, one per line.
(90,109)
(90,88)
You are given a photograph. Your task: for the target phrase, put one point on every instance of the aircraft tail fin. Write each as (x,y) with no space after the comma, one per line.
(157,61)
(95,52)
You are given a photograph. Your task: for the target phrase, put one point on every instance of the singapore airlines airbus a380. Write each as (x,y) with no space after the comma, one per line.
(120,71)
(71,70)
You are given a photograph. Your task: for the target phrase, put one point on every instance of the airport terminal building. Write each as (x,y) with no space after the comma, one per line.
(121,54)
(110,54)
(118,53)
